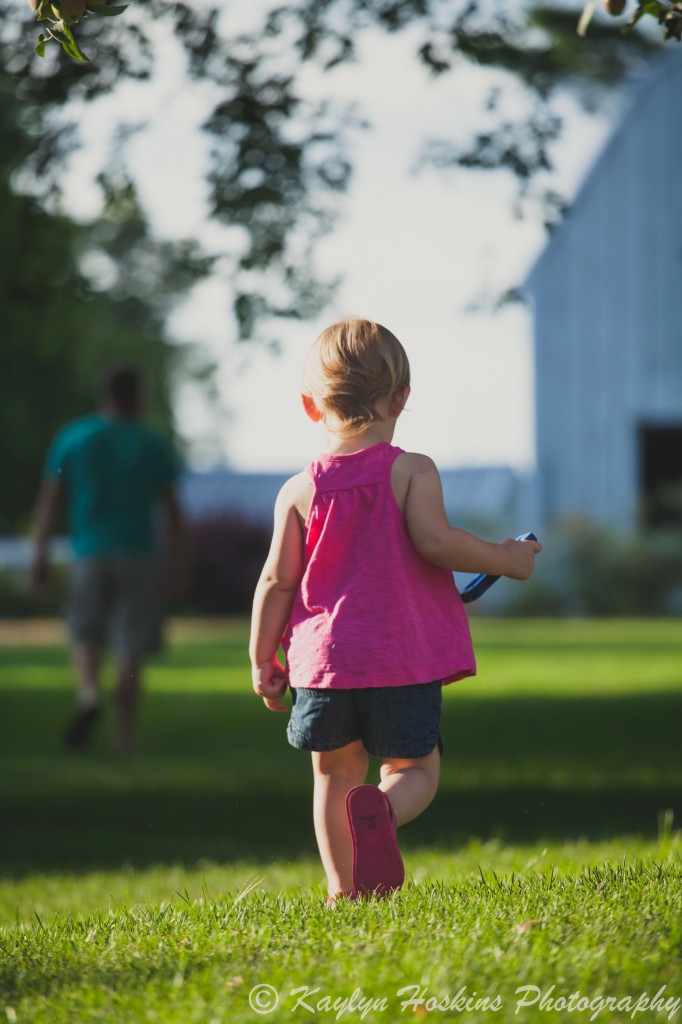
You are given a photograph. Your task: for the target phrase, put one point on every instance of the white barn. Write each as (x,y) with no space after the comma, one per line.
(607,300)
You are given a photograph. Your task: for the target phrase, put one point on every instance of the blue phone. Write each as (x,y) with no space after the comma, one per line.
(479,584)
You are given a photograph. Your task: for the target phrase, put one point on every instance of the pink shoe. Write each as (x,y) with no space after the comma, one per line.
(377,864)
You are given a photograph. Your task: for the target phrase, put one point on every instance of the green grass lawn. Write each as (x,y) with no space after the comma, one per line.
(167,885)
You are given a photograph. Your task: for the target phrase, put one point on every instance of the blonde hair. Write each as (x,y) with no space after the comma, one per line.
(350,366)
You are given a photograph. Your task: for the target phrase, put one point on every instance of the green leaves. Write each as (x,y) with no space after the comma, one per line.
(62,16)
(107,10)
(64,36)
(667,14)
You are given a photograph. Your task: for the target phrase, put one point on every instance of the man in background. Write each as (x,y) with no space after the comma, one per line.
(115,475)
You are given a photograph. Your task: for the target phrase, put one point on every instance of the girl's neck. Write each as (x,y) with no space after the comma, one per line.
(341,440)
(345,442)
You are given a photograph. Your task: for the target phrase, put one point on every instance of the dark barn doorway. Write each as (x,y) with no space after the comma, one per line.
(660,475)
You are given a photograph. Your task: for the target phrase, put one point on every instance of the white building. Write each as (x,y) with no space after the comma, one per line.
(607,301)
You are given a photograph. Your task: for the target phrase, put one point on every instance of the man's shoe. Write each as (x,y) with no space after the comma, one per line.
(80,727)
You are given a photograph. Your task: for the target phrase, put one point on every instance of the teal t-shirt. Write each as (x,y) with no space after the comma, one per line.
(114,471)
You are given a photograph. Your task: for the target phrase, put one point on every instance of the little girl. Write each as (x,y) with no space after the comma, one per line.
(358,589)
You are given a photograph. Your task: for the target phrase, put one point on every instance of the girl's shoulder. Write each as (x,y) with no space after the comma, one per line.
(297,494)
(408,467)
(414,462)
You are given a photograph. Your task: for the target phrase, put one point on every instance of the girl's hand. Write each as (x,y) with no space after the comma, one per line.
(270,684)
(522,557)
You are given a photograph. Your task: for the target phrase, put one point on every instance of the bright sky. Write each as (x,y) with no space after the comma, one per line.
(414,250)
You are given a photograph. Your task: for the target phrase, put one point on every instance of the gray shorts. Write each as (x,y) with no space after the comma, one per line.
(116,602)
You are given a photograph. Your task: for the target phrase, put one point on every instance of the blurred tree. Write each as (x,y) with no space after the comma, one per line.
(74,294)
(74,298)
(277,161)
(58,17)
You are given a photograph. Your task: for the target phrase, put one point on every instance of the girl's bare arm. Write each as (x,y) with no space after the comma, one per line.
(274,595)
(448,546)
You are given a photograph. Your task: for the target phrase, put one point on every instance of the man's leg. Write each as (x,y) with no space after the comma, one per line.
(87,662)
(88,605)
(136,632)
(127,697)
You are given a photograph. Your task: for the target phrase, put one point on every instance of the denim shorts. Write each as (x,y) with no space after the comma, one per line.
(391,721)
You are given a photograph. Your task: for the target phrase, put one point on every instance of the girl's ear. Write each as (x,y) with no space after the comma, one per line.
(399,400)
(311,409)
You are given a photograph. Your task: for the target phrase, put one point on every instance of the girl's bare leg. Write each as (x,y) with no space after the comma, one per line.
(410,783)
(335,772)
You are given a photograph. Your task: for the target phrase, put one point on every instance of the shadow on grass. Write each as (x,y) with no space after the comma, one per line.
(215,779)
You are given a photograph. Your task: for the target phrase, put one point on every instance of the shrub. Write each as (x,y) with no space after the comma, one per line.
(586,570)
(18,600)
(227,555)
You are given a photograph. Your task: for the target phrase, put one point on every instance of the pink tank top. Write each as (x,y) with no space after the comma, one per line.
(370,610)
